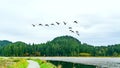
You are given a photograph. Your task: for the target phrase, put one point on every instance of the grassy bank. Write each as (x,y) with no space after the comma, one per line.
(13,63)
(21,63)
(44,64)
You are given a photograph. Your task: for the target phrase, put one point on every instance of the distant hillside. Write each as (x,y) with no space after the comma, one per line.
(59,46)
(4,42)
(66,39)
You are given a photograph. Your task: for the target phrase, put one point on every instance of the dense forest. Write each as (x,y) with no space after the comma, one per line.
(60,46)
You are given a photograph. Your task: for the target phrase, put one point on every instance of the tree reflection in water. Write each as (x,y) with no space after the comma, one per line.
(61,64)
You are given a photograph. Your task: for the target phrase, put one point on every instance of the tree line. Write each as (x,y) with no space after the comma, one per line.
(60,46)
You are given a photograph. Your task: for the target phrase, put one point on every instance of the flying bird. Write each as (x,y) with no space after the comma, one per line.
(75,22)
(52,24)
(57,23)
(71,31)
(64,23)
(77,32)
(46,25)
(33,25)
(40,24)
(70,27)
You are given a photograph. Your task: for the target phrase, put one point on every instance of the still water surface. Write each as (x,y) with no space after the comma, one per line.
(62,64)
(100,62)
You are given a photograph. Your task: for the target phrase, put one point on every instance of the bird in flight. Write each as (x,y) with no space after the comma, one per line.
(40,24)
(75,22)
(57,23)
(52,24)
(70,27)
(77,32)
(33,25)
(64,23)
(46,25)
(71,31)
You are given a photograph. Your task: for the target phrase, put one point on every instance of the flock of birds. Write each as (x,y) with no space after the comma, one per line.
(57,23)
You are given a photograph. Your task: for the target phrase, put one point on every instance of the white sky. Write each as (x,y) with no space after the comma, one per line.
(99,20)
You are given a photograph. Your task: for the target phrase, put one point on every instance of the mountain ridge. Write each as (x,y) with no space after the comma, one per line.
(59,46)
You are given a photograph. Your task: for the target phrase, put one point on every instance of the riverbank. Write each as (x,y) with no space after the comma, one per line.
(109,62)
(23,62)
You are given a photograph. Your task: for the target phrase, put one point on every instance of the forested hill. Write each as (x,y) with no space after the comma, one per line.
(4,42)
(60,46)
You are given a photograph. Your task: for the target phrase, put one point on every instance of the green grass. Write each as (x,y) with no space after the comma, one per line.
(4,62)
(48,65)
(20,63)
(13,63)
(39,61)
(44,64)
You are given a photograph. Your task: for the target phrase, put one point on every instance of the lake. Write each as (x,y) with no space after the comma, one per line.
(62,64)
(99,62)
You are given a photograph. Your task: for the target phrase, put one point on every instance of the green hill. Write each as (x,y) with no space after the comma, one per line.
(59,46)
(66,39)
(4,42)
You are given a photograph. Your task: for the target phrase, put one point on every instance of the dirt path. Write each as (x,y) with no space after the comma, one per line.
(33,64)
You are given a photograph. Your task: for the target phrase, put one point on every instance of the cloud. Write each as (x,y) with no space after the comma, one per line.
(98,20)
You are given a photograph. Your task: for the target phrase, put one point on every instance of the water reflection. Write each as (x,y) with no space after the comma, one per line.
(61,64)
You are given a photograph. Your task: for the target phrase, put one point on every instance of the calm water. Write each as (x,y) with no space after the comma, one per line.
(71,65)
(101,62)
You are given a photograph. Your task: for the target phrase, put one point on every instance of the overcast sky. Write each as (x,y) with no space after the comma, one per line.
(98,20)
